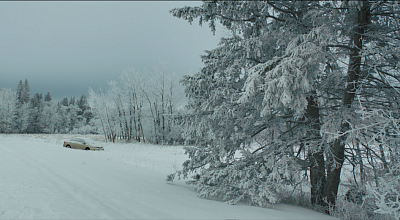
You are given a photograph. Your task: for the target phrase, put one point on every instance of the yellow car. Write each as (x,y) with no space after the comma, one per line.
(79,143)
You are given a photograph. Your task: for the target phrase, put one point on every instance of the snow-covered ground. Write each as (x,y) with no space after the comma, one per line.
(39,179)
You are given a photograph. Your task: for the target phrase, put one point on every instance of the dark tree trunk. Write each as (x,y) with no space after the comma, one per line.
(316,155)
(333,172)
(353,74)
(317,178)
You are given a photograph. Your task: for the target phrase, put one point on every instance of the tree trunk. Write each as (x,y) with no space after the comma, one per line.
(360,161)
(383,159)
(316,155)
(333,173)
(353,74)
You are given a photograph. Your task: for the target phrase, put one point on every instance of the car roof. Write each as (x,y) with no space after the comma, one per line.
(82,139)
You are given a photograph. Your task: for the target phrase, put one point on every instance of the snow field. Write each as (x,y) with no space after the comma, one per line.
(42,180)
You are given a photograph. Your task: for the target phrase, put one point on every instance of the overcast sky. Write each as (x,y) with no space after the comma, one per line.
(66,47)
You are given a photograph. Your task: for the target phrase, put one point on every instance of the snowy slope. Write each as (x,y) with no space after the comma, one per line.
(42,180)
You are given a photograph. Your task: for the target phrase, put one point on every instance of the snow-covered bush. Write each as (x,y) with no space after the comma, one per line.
(387,194)
(383,191)
(353,211)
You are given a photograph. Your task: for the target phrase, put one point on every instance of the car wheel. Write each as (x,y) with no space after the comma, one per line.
(87,148)
(68,146)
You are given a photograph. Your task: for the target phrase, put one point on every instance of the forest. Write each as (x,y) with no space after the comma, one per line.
(132,110)
(21,114)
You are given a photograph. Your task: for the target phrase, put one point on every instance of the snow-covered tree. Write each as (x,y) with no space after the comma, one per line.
(49,115)
(160,97)
(135,101)
(7,105)
(137,108)
(41,115)
(383,129)
(103,114)
(23,92)
(85,110)
(286,79)
(21,111)
(64,102)
(47,97)
(35,124)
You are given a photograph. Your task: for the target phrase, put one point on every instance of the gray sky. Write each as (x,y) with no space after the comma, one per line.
(66,47)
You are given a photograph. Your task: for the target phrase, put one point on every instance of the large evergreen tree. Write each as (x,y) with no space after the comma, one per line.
(21,111)
(47,97)
(84,109)
(7,106)
(35,119)
(287,78)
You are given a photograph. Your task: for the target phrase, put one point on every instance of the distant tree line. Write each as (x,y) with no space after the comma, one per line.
(19,113)
(133,110)
(137,109)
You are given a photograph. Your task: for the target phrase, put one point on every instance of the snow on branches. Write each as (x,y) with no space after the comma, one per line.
(286,81)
